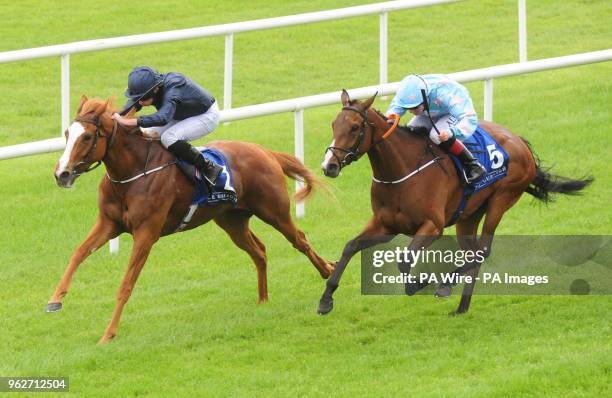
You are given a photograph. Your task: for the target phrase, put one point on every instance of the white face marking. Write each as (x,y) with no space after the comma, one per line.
(328,156)
(75,130)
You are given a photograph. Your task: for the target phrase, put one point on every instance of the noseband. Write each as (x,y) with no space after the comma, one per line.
(87,159)
(352,153)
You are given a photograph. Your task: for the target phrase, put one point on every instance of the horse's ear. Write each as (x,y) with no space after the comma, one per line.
(368,103)
(103,106)
(81,103)
(346,100)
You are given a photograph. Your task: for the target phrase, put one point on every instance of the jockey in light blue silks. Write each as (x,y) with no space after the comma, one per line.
(450,109)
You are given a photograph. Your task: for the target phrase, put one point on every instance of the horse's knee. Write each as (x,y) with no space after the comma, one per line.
(124,295)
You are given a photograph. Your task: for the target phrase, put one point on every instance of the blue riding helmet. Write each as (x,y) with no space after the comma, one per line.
(409,94)
(141,82)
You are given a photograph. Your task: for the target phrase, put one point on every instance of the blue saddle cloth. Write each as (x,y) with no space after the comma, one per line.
(491,155)
(223,191)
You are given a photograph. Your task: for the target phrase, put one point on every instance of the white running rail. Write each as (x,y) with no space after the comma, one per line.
(299,104)
(228,30)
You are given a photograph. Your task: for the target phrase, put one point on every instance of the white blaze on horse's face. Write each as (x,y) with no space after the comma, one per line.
(75,130)
(328,155)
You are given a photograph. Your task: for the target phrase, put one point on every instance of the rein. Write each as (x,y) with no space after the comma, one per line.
(145,172)
(407,176)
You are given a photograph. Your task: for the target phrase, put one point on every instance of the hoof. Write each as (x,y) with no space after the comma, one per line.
(456,313)
(412,288)
(325,307)
(105,340)
(453,314)
(443,291)
(53,307)
(329,269)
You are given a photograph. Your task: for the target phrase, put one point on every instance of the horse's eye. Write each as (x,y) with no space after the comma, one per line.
(87,137)
(354,127)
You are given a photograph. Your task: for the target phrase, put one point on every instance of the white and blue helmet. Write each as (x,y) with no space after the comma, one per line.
(409,94)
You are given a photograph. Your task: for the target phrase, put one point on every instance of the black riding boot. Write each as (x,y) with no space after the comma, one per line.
(473,169)
(184,151)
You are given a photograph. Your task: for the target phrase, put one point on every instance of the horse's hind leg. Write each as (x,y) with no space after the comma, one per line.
(102,232)
(468,289)
(467,239)
(466,235)
(236,224)
(498,204)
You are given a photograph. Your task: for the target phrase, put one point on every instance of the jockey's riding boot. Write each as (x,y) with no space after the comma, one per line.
(184,151)
(473,169)
(209,169)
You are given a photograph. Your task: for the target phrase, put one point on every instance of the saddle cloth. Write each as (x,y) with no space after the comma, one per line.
(491,155)
(223,191)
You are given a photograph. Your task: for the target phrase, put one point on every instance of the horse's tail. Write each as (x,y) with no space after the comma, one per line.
(544,184)
(295,169)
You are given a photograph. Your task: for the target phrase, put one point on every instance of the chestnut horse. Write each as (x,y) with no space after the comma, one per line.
(156,204)
(416,190)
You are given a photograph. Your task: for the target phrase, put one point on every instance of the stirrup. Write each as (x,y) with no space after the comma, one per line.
(211,173)
(476,171)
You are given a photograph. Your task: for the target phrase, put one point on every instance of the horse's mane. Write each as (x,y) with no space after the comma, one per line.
(93,104)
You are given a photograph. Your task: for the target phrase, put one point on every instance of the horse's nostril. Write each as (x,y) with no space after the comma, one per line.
(331,170)
(64,174)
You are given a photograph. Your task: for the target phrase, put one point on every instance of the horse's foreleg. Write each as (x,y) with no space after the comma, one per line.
(144,238)
(102,232)
(237,227)
(373,234)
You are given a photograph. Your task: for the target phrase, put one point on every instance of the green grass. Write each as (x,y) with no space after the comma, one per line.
(192,327)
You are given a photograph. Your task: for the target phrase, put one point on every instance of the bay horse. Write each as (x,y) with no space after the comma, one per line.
(156,204)
(416,191)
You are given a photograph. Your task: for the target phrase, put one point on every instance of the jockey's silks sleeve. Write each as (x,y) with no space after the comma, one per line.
(164,114)
(450,97)
(178,99)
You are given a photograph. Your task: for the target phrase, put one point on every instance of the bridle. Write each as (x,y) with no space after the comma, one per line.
(109,142)
(352,153)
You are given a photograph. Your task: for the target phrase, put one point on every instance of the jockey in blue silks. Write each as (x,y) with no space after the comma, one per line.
(185,112)
(448,114)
